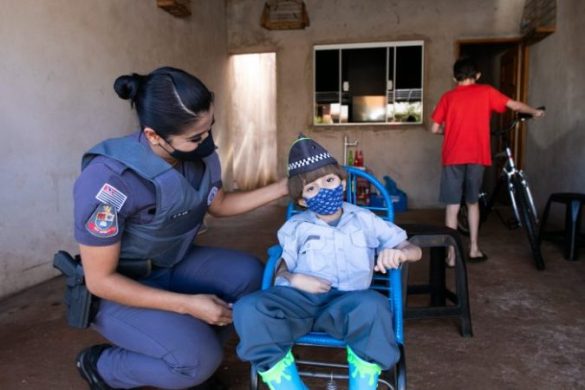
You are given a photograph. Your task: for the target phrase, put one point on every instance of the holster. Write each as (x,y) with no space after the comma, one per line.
(81,304)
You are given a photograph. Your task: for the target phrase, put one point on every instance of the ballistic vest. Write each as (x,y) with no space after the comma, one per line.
(180,207)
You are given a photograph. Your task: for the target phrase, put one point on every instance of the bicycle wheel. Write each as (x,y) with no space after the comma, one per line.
(527,219)
(462,221)
(462,216)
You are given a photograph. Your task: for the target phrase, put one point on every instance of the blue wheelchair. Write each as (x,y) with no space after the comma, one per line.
(389,284)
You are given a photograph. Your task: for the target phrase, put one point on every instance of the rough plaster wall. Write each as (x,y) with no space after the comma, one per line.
(555,145)
(410,154)
(59,61)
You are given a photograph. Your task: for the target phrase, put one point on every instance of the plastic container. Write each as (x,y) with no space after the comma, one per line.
(399,197)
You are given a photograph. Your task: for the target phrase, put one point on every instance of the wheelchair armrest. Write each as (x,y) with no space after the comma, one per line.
(274,254)
(397,304)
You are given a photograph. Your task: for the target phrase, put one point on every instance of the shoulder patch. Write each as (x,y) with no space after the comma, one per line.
(103,222)
(109,194)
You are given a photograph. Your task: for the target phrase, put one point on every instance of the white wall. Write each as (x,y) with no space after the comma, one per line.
(411,155)
(556,144)
(59,62)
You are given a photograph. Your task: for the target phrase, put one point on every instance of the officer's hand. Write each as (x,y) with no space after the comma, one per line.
(389,258)
(210,309)
(308,283)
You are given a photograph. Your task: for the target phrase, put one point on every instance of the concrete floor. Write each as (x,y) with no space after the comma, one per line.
(529,326)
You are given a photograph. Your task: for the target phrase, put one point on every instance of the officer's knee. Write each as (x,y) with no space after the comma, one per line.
(249,275)
(187,370)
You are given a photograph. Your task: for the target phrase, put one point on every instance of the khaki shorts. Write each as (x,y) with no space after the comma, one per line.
(460,179)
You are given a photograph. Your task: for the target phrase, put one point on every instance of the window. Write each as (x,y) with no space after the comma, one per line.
(373,83)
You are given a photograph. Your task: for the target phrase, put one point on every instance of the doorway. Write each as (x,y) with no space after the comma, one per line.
(502,63)
(253,120)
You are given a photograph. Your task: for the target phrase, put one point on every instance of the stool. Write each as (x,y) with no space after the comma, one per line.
(571,235)
(438,238)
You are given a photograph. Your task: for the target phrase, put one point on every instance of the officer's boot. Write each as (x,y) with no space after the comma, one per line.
(87,365)
(362,375)
(283,375)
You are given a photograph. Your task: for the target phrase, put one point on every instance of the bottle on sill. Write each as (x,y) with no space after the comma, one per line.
(358,160)
(350,160)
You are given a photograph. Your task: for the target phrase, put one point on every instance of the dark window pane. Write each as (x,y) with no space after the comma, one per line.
(408,67)
(365,70)
(327,70)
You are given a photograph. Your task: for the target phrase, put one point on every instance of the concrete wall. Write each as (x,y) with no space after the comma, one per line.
(59,61)
(555,152)
(410,154)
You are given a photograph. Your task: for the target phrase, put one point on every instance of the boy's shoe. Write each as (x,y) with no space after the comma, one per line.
(283,375)
(87,365)
(362,375)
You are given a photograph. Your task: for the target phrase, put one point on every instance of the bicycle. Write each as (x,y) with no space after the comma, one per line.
(525,214)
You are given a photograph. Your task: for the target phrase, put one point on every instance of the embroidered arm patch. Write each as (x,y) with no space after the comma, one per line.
(103,222)
(109,194)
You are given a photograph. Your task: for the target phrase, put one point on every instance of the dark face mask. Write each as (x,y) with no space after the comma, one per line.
(204,149)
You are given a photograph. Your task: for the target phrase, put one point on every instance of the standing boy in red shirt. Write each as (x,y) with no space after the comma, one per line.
(463,116)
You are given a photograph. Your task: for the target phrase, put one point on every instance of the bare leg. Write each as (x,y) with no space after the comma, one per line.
(473,220)
(451,221)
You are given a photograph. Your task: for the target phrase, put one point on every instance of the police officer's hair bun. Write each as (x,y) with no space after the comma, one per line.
(127,86)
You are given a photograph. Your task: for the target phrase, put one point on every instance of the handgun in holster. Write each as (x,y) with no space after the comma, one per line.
(81,304)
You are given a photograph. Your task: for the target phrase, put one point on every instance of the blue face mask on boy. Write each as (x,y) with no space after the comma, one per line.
(327,201)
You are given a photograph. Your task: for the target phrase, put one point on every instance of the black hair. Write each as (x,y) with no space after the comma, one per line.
(464,68)
(296,183)
(167,100)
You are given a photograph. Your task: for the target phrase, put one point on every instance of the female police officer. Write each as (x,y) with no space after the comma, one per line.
(142,197)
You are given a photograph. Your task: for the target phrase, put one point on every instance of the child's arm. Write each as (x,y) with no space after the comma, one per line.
(308,283)
(524,108)
(392,258)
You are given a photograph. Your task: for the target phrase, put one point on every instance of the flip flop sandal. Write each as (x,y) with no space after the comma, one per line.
(477,259)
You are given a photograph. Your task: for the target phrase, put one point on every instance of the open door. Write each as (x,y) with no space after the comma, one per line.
(511,85)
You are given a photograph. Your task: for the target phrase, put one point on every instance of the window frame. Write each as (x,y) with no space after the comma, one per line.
(370,45)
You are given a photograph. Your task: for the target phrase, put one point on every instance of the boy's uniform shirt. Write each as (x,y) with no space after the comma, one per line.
(465,113)
(343,254)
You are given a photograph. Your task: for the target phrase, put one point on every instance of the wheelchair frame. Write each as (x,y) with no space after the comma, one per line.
(389,284)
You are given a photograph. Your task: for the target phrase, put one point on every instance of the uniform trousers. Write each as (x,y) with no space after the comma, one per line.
(169,350)
(268,322)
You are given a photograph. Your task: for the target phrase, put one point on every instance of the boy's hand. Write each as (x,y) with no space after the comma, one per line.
(389,258)
(308,283)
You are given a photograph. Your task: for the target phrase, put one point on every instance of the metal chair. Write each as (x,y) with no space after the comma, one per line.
(389,284)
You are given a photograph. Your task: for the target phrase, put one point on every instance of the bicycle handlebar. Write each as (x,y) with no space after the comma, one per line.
(523,116)
(520,117)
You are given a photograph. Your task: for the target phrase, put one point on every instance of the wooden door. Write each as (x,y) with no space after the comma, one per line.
(511,81)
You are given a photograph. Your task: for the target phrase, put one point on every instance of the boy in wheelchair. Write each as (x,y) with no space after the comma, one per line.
(323,283)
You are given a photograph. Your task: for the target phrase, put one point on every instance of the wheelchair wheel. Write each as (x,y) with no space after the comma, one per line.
(528,220)
(253,378)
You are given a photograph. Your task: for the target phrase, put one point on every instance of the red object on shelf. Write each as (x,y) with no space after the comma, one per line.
(359,158)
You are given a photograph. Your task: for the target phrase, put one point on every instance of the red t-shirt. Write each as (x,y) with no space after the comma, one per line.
(465,112)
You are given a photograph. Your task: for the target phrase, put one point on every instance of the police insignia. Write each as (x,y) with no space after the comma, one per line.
(103,222)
